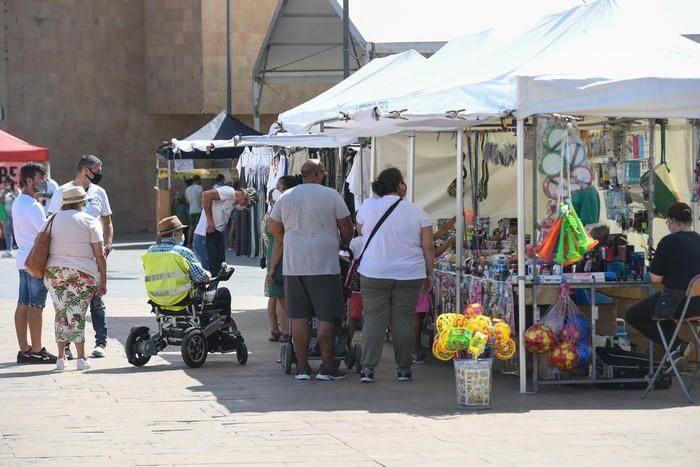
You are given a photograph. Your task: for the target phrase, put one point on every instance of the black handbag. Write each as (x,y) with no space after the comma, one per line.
(278,273)
(668,302)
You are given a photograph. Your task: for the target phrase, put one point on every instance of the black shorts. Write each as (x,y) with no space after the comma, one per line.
(314,296)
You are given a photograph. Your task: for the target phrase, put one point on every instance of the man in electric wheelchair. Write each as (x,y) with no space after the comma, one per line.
(190,310)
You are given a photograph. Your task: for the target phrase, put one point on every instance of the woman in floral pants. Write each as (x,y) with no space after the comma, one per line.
(75,271)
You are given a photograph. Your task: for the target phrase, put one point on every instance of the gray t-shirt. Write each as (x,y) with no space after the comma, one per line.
(309,213)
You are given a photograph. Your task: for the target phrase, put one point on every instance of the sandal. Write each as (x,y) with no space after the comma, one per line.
(274,337)
(284,338)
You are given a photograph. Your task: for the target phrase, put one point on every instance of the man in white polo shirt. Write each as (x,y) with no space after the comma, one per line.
(88,176)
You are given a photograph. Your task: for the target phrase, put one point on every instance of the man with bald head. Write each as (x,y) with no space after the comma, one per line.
(309,223)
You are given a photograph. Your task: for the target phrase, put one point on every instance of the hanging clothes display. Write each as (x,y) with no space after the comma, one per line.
(358,178)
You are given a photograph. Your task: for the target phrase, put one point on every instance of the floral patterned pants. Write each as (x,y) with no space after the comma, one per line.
(71,291)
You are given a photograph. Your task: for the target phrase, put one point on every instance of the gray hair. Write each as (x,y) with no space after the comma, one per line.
(88,160)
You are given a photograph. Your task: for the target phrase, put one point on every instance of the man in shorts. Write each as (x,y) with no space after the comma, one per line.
(28,216)
(309,223)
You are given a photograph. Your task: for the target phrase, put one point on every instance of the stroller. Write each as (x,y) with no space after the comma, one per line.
(198,329)
(344,349)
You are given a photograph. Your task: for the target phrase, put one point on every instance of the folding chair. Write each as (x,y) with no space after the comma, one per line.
(693,324)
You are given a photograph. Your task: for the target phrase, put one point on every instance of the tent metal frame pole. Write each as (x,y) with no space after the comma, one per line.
(346,38)
(650,188)
(521,252)
(229,100)
(372,158)
(410,168)
(695,147)
(459,244)
(169,174)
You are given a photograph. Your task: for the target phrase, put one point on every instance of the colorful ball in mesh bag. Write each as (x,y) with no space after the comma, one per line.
(539,338)
(564,356)
(576,328)
(583,351)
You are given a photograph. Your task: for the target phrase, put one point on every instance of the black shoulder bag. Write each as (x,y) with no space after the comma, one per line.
(352,272)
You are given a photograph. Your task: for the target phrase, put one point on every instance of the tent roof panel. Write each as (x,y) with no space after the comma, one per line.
(13,149)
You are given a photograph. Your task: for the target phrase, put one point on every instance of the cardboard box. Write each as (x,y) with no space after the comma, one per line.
(606,323)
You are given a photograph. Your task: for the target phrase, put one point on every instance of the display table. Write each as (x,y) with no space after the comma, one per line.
(630,289)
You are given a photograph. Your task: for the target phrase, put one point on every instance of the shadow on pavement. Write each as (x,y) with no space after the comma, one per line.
(262,386)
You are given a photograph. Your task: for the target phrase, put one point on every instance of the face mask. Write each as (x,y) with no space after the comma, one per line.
(84,208)
(181,242)
(238,207)
(96,177)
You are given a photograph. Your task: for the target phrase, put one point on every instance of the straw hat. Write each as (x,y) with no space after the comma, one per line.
(73,195)
(169,225)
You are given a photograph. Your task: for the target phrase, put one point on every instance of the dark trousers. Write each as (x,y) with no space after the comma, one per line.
(216,251)
(640,316)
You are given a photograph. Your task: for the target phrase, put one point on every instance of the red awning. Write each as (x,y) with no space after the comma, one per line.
(13,149)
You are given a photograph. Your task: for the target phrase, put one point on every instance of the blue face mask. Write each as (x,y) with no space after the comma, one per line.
(180,242)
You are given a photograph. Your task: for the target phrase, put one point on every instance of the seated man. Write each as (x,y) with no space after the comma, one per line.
(171,269)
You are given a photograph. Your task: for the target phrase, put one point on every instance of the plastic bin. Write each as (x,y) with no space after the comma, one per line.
(474,382)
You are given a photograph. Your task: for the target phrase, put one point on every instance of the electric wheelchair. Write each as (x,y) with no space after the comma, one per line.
(199,328)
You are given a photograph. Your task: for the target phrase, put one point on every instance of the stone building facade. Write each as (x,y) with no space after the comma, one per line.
(116,78)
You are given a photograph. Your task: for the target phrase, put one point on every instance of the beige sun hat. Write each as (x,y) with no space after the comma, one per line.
(73,195)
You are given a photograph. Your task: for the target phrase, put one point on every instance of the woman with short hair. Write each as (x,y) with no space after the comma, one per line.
(76,270)
(397,262)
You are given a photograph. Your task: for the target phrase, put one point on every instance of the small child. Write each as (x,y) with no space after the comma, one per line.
(354,304)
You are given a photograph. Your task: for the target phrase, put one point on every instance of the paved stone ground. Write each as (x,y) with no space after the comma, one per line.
(227,414)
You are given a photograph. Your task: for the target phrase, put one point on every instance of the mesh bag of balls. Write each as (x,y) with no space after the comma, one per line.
(472,335)
(565,334)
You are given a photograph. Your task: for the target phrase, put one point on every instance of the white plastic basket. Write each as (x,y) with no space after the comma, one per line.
(474,382)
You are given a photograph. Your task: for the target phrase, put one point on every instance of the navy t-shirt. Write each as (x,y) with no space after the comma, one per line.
(677,259)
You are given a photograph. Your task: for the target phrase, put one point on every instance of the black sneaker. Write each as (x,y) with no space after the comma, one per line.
(404,374)
(418,356)
(24,357)
(303,374)
(69,354)
(43,356)
(331,374)
(367,375)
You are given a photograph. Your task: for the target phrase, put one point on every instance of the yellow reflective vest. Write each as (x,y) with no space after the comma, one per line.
(167,279)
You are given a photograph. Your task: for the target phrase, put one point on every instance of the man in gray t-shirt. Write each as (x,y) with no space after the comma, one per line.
(309,223)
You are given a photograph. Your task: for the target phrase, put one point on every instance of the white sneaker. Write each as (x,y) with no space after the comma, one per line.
(82,364)
(60,364)
(98,351)
(7,254)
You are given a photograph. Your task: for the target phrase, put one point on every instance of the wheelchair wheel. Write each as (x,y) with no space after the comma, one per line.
(194,348)
(357,352)
(242,353)
(286,356)
(135,336)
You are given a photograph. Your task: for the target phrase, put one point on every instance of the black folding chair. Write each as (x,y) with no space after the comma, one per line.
(693,324)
